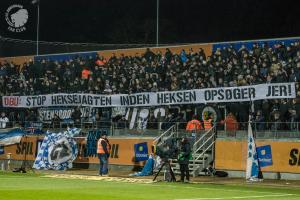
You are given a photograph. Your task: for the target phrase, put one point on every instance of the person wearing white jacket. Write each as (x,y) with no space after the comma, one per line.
(3,120)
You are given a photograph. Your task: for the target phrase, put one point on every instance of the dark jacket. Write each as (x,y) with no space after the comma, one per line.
(105,146)
(184,154)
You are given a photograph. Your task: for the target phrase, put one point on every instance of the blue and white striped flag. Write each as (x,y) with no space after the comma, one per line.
(58,151)
(252,169)
(11,137)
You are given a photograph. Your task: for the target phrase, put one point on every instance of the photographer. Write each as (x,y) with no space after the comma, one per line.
(184,159)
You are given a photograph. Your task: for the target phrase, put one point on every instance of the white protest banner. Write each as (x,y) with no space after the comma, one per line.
(196,96)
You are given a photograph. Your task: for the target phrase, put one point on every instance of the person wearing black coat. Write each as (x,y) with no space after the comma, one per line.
(184,159)
(76,116)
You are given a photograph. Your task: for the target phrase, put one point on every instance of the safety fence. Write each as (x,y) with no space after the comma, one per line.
(263,130)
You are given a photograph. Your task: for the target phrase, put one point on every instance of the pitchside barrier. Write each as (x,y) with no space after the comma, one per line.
(274,156)
(145,128)
(122,150)
(278,150)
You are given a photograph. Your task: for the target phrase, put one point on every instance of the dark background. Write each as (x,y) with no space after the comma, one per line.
(134,22)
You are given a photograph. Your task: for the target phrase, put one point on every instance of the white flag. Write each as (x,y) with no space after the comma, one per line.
(252,169)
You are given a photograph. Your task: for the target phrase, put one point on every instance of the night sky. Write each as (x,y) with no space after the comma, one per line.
(181,21)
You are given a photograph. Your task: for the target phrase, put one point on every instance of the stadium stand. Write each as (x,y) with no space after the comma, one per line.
(228,65)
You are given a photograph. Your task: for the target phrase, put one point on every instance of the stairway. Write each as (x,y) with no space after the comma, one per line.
(202,150)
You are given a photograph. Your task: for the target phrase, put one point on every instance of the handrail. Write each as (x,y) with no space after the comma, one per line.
(204,143)
(206,133)
(162,135)
(205,140)
(202,153)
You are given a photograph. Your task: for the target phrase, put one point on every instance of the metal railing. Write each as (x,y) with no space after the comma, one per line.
(169,133)
(204,145)
(263,130)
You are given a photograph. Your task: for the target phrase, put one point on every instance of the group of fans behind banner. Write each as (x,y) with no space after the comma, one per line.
(195,124)
(154,70)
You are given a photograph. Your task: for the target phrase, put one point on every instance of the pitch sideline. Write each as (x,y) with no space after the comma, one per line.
(150,182)
(240,197)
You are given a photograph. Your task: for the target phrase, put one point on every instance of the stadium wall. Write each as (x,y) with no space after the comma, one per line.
(232,155)
(249,44)
(17,60)
(208,49)
(174,49)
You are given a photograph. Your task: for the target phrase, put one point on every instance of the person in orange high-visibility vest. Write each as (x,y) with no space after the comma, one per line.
(103,150)
(207,122)
(194,126)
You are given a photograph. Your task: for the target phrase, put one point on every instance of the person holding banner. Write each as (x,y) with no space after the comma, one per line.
(103,151)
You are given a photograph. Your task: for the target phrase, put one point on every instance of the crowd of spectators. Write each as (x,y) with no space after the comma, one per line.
(157,71)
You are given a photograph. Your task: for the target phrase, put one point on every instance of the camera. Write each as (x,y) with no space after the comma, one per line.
(168,149)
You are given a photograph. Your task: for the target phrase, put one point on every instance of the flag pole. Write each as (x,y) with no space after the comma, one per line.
(253,172)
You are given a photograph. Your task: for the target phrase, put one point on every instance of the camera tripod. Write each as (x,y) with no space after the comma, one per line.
(166,162)
(25,164)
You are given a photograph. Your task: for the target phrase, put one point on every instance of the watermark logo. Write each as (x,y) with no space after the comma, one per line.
(16,16)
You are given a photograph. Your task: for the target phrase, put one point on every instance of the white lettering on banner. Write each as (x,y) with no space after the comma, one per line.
(139,99)
(139,117)
(141,155)
(209,95)
(47,114)
(176,97)
(229,94)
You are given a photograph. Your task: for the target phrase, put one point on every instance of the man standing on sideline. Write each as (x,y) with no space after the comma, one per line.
(184,160)
(103,150)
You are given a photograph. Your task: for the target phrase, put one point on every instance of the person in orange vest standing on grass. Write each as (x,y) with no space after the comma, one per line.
(207,122)
(194,126)
(103,150)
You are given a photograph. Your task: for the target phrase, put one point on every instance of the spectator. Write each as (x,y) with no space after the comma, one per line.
(56,121)
(194,125)
(276,122)
(31,117)
(3,120)
(292,119)
(85,74)
(76,116)
(230,122)
(207,121)
(121,123)
(226,66)
(259,121)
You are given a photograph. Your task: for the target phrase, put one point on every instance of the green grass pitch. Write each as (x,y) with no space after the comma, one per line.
(38,187)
